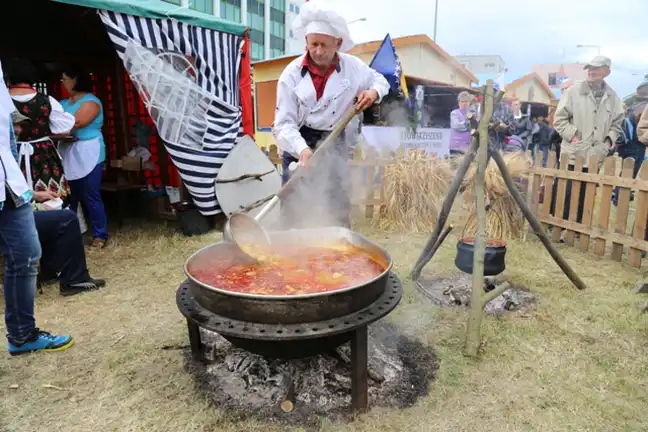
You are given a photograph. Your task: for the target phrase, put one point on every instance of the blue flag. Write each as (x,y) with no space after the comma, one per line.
(387,63)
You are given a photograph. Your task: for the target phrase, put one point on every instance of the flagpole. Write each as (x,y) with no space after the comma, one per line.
(436,13)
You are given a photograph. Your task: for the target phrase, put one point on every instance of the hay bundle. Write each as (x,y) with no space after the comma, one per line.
(414,187)
(504,219)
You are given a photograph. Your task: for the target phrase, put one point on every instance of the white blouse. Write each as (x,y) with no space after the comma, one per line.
(60,122)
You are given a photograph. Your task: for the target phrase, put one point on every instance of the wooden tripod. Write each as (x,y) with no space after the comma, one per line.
(481,150)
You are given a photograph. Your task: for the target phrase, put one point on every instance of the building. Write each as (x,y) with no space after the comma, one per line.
(530,88)
(295,46)
(268,20)
(423,62)
(554,74)
(482,64)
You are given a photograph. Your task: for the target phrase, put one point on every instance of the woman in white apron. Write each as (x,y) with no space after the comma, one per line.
(83,160)
(43,117)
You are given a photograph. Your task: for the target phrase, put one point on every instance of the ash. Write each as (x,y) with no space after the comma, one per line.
(455,291)
(252,386)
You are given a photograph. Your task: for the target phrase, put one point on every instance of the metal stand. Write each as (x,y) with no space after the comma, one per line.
(195,342)
(359,370)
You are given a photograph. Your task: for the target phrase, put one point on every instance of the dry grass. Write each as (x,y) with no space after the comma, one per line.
(414,188)
(577,363)
(504,218)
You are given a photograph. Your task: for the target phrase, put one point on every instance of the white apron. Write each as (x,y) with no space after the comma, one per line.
(79,158)
(26,151)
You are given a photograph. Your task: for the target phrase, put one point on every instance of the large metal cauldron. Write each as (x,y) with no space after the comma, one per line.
(289,309)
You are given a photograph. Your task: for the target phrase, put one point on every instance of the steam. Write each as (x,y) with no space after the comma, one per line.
(322,196)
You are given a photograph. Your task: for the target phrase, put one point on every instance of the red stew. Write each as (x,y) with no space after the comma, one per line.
(293,271)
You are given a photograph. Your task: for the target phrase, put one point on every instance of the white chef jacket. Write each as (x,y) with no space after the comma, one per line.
(297,103)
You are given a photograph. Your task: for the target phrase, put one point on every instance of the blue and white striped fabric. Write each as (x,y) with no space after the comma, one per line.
(217,59)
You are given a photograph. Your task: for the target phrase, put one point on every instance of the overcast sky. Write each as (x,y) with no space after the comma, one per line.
(522,32)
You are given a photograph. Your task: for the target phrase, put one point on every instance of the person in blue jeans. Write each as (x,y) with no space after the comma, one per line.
(83,160)
(20,246)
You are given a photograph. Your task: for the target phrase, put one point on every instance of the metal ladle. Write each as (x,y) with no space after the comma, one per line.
(245,231)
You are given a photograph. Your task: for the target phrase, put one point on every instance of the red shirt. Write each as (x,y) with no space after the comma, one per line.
(319,79)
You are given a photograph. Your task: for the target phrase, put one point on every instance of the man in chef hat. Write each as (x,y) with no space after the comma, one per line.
(313,94)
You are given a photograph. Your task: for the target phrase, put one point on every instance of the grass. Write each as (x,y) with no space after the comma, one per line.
(575,363)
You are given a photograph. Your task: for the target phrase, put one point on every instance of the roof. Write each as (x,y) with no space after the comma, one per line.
(529,77)
(158,9)
(281,59)
(420,39)
(411,79)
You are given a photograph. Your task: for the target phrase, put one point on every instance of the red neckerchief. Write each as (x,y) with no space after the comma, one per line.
(319,79)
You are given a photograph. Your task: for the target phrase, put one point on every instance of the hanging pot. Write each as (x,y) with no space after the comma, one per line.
(495,252)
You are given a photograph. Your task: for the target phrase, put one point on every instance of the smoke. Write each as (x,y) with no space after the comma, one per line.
(321,197)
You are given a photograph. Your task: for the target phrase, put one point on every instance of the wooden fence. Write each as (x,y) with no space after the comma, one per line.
(604,228)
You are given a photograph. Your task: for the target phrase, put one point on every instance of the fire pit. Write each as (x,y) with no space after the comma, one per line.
(293,326)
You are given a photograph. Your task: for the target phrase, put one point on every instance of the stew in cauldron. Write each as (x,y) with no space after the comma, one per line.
(293,270)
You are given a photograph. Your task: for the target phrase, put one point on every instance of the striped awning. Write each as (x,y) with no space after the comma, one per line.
(217,59)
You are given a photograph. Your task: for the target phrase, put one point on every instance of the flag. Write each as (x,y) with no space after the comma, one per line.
(499,81)
(387,63)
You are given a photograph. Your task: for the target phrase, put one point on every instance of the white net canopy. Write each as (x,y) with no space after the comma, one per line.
(175,102)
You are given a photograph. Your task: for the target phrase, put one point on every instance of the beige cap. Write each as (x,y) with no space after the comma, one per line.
(599,61)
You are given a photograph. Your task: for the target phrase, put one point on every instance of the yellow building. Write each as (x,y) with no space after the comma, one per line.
(530,88)
(422,60)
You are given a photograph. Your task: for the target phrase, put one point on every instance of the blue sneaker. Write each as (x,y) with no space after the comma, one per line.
(42,341)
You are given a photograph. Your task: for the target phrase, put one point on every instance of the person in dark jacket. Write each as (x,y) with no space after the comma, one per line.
(542,140)
(628,144)
(521,123)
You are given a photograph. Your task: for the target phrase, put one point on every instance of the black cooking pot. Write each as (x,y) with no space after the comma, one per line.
(494,263)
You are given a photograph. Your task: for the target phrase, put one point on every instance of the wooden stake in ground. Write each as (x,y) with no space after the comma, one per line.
(473,333)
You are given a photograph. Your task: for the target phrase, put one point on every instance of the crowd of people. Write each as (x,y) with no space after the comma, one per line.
(52,154)
(590,120)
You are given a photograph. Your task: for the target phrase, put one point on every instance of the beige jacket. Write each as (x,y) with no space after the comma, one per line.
(579,116)
(642,127)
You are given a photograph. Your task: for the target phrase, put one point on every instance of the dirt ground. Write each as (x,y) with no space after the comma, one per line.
(576,362)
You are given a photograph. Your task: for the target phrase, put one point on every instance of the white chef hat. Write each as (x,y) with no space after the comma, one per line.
(315,17)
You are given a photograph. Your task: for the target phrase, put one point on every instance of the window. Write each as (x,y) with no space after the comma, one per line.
(256,6)
(297,10)
(279,5)
(292,35)
(277,15)
(277,43)
(256,22)
(553,79)
(257,51)
(292,7)
(277,29)
(230,12)
(489,65)
(206,6)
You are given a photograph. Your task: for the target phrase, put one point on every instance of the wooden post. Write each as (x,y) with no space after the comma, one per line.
(473,329)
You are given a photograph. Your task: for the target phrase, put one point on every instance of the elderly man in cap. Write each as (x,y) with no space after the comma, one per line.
(313,94)
(589,119)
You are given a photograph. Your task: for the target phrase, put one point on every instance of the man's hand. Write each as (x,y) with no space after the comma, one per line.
(575,140)
(366,99)
(42,196)
(305,156)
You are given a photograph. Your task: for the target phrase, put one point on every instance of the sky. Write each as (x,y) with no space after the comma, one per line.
(523,33)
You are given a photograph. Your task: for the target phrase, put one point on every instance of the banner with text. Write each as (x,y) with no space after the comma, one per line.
(432,140)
